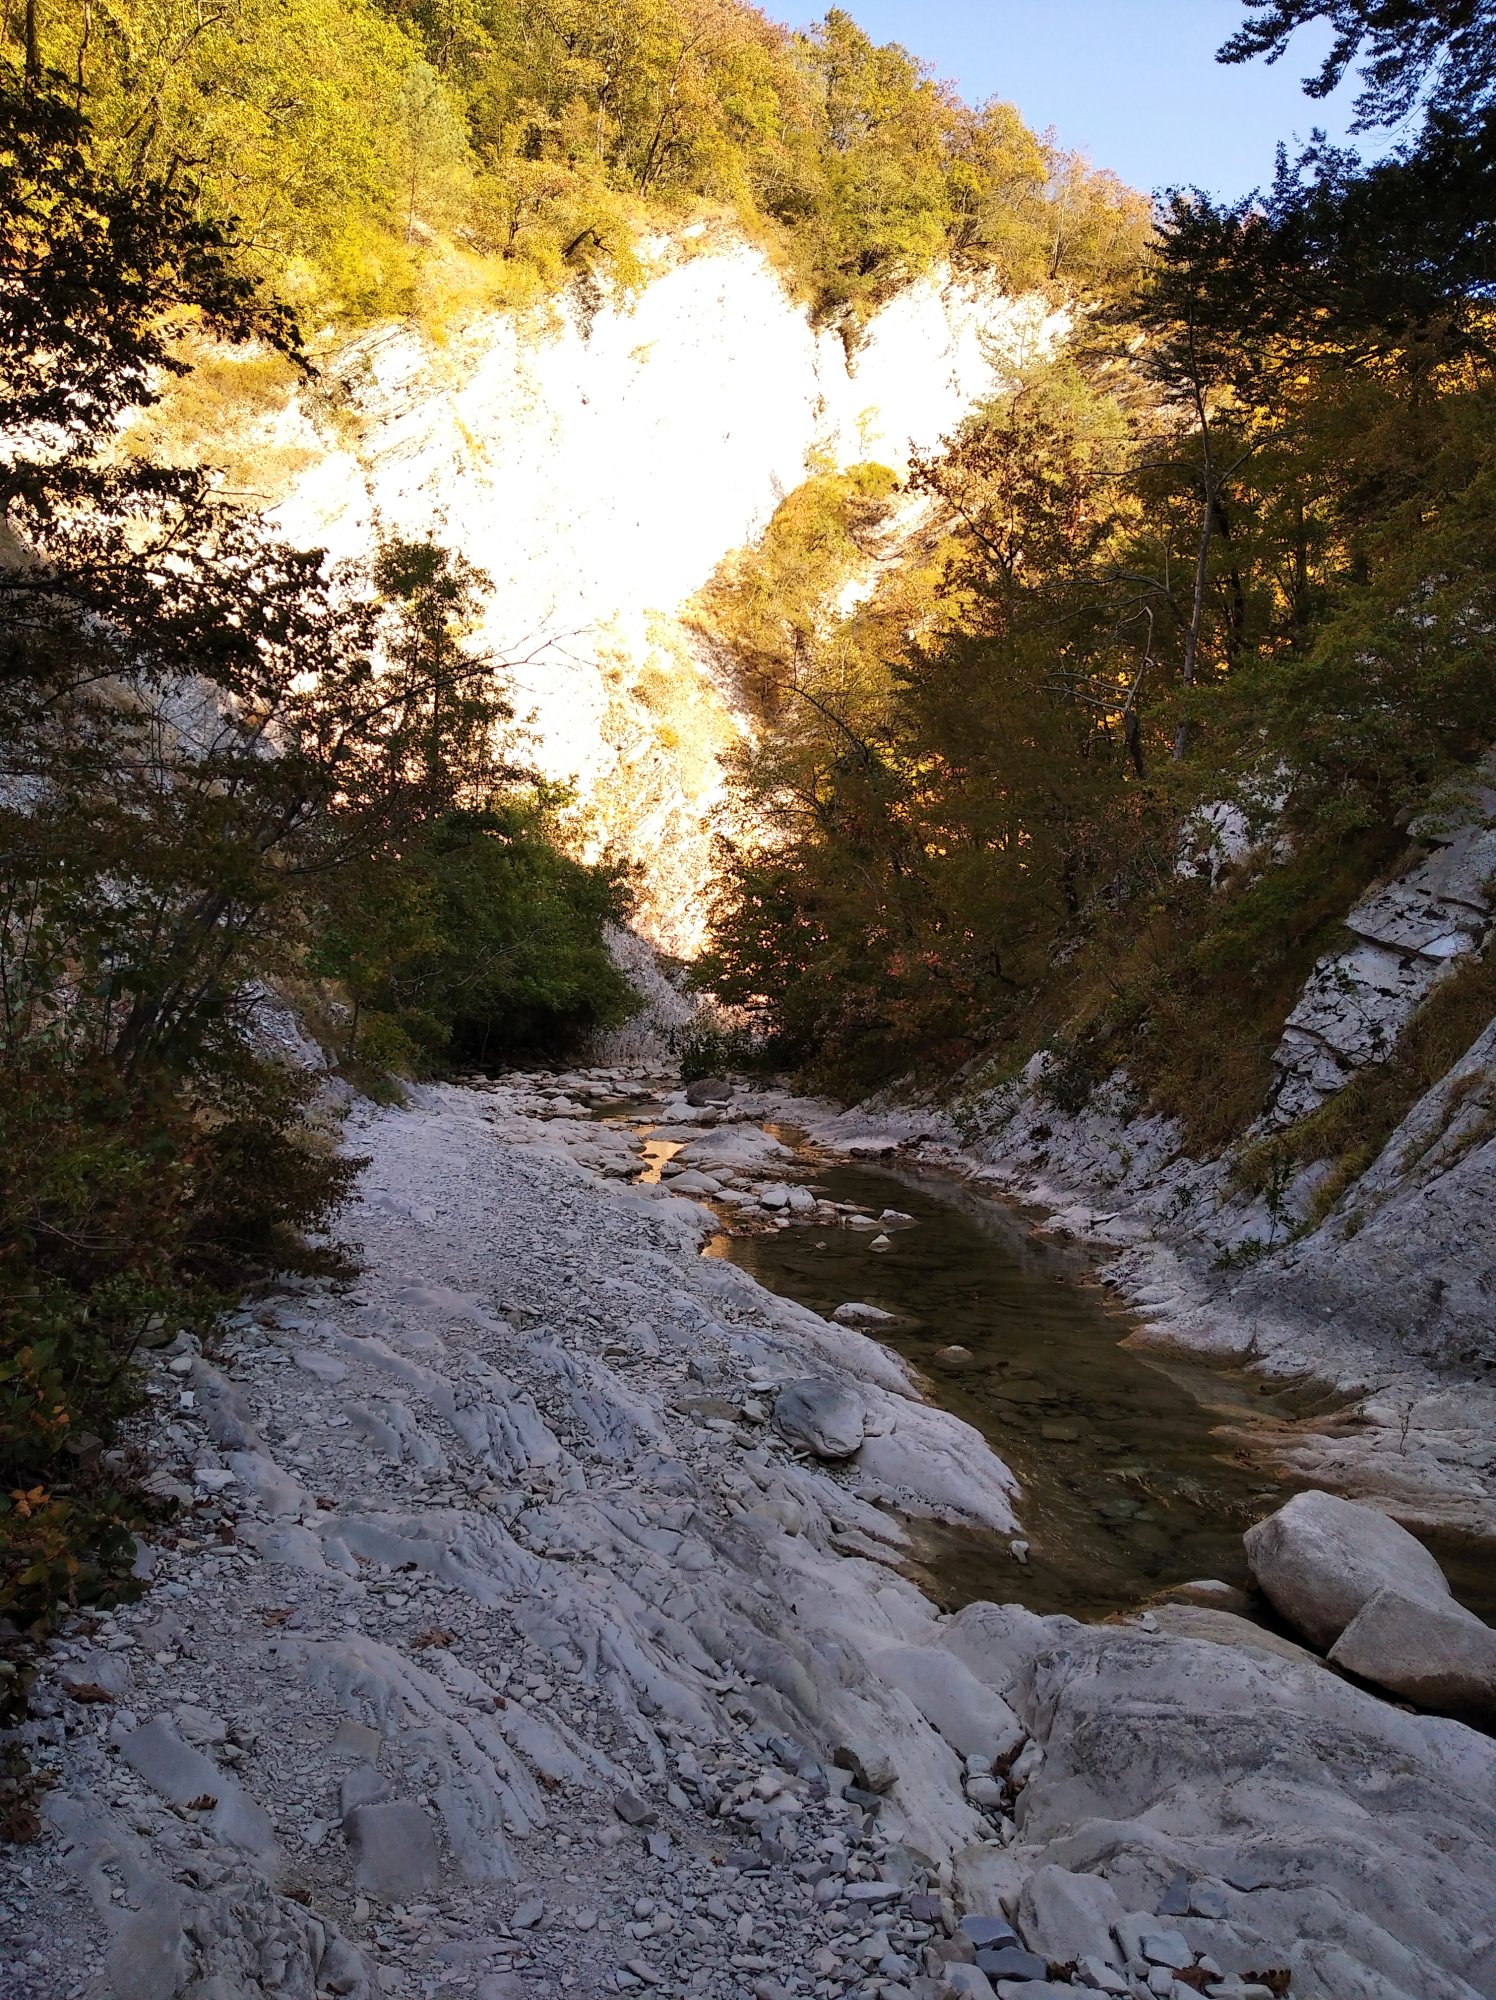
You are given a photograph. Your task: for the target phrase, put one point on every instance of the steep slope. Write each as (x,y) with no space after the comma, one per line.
(597,461)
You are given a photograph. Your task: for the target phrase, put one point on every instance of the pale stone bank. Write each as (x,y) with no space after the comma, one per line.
(535,1627)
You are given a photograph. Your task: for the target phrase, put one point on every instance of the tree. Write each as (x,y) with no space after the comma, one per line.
(1439,52)
(209,743)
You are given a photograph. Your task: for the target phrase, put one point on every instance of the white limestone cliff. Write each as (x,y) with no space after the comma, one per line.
(598,465)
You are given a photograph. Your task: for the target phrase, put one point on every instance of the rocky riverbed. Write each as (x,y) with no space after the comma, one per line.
(1406,1422)
(534,1624)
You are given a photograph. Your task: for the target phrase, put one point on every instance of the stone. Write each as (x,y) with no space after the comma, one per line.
(148,1955)
(394,1851)
(854,1313)
(342,1968)
(634,1810)
(356,1739)
(325,1367)
(1175,1901)
(106,1672)
(987,1931)
(972,1718)
(156,1753)
(1101,1976)
(1042,1989)
(988,1877)
(872,1768)
(363,1786)
(527,1914)
(1011,1961)
(997,1641)
(704,1090)
(1066,1916)
(1319,1559)
(214,1478)
(199,1726)
(1209,1900)
(1168,1948)
(966,1982)
(502,1986)
(1437,1655)
(830,1419)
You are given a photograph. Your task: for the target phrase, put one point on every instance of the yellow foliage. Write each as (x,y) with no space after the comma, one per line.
(430,156)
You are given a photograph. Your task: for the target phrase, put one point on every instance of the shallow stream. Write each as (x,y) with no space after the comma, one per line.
(1126,1484)
(1138,1469)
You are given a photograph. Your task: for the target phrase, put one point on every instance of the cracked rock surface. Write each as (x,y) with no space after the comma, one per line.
(505,1646)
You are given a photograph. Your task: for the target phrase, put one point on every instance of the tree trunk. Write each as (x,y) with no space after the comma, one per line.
(1197,609)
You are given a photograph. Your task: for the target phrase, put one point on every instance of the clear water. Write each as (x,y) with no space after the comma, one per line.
(1138,1470)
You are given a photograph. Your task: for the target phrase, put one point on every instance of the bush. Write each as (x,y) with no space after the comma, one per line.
(481,941)
(127,1212)
(705,1050)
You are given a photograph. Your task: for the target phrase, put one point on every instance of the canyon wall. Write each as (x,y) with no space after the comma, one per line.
(597,460)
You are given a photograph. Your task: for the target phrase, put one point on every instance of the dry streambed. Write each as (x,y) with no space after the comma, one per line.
(508,1646)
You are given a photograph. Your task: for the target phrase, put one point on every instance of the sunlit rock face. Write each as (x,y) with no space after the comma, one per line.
(597,465)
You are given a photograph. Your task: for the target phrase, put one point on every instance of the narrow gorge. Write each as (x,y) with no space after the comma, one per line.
(748,1111)
(596,459)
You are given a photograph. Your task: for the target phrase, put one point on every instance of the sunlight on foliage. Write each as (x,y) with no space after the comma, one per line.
(373,157)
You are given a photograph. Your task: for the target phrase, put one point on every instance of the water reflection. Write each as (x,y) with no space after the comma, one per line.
(1134,1469)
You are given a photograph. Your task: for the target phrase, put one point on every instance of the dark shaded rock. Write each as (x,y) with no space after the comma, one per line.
(708,1090)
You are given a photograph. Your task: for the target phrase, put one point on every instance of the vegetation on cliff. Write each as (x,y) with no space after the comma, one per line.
(1233,543)
(382,154)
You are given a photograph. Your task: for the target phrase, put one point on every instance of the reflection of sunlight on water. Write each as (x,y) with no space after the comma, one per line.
(657,1152)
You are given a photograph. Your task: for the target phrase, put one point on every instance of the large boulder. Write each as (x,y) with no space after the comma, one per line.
(830,1419)
(708,1090)
(1319,1559)
(1066,1916)
(1325,1830)
(1438,1655)
(744,1147)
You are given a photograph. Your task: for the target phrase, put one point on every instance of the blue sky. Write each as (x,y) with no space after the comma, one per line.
(1132,83)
